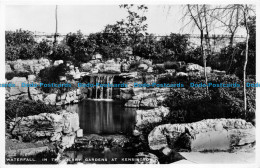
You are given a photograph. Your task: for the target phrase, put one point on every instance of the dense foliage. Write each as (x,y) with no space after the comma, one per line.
(23,108)
(192,104)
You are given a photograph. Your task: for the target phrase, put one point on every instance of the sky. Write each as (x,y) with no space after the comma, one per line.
(161,19)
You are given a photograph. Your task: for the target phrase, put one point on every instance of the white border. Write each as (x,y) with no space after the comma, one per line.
(3,3)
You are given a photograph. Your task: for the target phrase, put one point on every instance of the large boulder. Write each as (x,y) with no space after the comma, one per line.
(210,134)
(68,140)
(149,103)
(50,99)
(144,117)
(132,103)
(46,125)
(18,89)
(112,68)
(194,67)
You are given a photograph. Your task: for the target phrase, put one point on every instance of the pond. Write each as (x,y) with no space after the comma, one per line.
(104,117)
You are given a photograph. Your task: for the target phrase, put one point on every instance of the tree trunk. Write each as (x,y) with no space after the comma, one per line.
(204,59)
(244,72)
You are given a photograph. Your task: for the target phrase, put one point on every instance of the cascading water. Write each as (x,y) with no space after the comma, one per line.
(101,93)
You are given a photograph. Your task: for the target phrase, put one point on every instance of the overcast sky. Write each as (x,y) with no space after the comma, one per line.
(90,19)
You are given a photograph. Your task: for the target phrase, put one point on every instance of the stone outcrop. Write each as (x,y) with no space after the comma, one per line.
(149,102)
(155,115)
(34,66)
(60,126)
(50,99)
(210,134)
(17,92)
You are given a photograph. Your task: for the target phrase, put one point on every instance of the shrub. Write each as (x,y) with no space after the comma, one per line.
(61,52)
(193,104)
(171,65)
(10,75)
(19,45)
(24,108)
(51,75)
(43,49)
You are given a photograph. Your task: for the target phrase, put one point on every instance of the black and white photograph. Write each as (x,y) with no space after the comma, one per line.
(129,83)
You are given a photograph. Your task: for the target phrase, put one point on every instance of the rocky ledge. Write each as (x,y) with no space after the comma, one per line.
(205,135)
(60,128)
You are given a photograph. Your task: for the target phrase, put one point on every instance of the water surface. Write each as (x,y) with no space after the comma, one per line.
(104,117)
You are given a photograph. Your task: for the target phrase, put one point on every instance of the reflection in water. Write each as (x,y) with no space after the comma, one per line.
(102,117)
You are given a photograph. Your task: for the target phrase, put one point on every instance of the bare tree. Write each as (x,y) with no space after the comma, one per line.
(245,10)
(197,15)
(233,16)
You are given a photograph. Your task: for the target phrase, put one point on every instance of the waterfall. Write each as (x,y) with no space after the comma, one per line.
(99,91)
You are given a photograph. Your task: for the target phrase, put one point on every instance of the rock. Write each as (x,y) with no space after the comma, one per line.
(217,72)
(112,68)
(144,117)
(58,62)
(211,140)
(18,89)
(119,141)
(36,97)
(86,67)
(150,69)
(203,135)
(132,103)
(181,74)
(80,133)
(20,67)
(44,62)
(170,71)
(46,125)
(194,67)
(50,99)
(167,151)
(143,67)
(126,93)
(71,123)
(36,68)
(125,67)
(31,78)
(149,102)
(67,141)
(146,158)
(76,76)
(8,68)
(136,133)
(62,78)
(56,136)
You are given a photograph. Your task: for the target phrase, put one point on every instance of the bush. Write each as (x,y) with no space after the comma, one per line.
(43,49)
(51,75)
(24,108)
(10,75)
(193,104)
(22,45)
(19,45)
(61,52)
